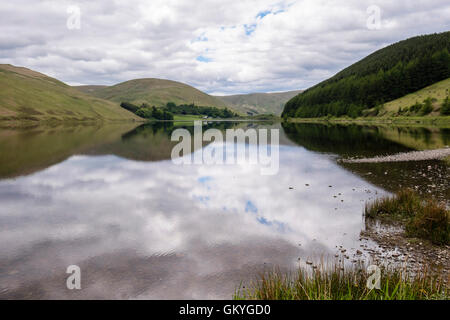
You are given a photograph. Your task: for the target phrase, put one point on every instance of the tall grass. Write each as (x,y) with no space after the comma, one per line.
(339,284)
(426,219)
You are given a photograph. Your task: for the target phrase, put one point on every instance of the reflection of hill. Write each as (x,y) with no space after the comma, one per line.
(417,138)
(151,141)
(148,142)
(360,141)
(24,151)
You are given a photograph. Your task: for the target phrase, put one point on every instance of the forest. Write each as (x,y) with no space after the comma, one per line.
(385,75)
(166,112)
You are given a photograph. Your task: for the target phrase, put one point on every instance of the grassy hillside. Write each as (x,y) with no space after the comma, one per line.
(90,89)
(26,95)
(388,74)
(438,91)
(259,103)
(155,92)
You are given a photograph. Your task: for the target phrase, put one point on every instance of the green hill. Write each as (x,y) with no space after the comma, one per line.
(33,96)
(438,92)
(259,103)
(388,74)
(155,92)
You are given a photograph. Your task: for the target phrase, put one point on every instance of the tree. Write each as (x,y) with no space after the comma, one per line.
(445,109)
(144,113)
(427,107)
(129,106)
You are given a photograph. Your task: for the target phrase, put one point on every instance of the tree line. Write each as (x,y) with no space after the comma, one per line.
(167,112)
(385,75)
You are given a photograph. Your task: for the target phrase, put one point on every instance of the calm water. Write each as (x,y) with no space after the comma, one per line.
(110,200)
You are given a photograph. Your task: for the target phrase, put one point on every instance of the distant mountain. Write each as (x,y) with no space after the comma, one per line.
(155,92)
(390,73)
(259,103)
(29,95)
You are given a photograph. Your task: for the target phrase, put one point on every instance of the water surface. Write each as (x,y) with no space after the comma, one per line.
(110,200)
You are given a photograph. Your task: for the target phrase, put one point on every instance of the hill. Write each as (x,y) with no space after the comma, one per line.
(29,95)
(155,92)
(90,89)
(438,92)
(259,103)
(388,74)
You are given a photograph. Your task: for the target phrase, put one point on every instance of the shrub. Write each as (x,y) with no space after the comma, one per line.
(445,109)
(144,113)
(427,107)
(431,222)
(415,108)
(424,219)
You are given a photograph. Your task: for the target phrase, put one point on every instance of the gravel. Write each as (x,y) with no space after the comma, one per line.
(405,156)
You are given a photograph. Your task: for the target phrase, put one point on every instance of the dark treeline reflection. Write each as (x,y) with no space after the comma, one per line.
(343,140)
(369,141)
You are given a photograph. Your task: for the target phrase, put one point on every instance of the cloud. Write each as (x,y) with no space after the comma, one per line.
(221,47)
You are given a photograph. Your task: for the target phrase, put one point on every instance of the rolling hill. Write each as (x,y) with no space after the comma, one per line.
(155,92)
(29,95)
(259,103)
(439,91)
(385,75)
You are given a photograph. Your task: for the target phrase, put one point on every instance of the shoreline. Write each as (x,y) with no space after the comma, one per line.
(440,121)
(433,154)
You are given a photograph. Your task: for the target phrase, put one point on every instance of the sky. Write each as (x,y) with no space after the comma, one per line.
(220,47)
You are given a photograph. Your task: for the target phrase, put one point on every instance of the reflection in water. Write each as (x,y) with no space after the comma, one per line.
(427,177)
(151,229)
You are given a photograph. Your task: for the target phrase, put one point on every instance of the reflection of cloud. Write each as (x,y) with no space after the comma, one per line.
(250,207)
(89,207)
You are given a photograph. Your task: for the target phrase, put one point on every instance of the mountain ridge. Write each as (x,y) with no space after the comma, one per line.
(260,102)
(27,95)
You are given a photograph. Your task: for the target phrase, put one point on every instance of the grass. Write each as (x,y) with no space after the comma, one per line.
(338,283)
(389,113)
(438,90)
(437,121)
(188,117)
(29,96)
(426,219)
(260,103)
(155,92)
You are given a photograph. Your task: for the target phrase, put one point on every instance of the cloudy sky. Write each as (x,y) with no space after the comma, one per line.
(221,47)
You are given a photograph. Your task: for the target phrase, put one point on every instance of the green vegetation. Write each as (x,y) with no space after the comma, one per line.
(438,92)
(385,75)
(337,283)
(398,121)
(425,219)
(167,112)
(29,96)
(192,109)
(445,109)
(154,92)
(259,103)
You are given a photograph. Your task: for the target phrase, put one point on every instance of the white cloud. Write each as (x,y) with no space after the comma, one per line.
(244,45)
